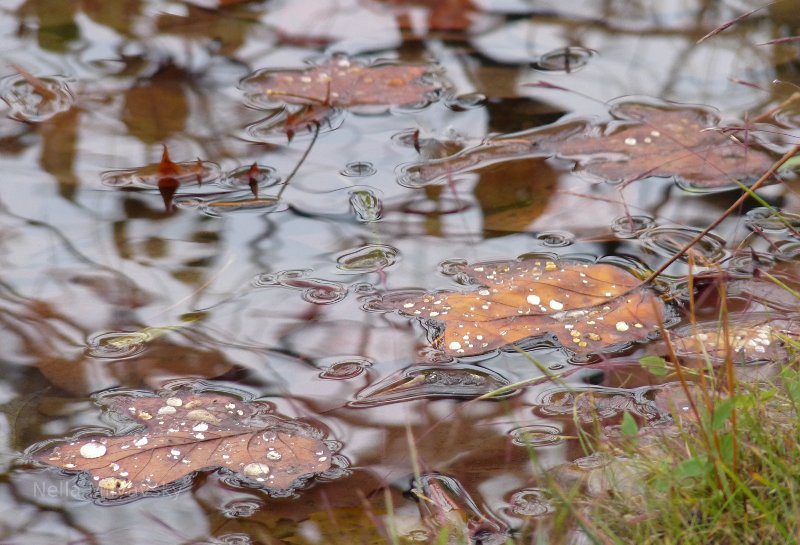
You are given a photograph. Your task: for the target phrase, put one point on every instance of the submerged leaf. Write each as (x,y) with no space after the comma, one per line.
(342,83)
(589,308)
(681,142)
(189,432)
(642,140)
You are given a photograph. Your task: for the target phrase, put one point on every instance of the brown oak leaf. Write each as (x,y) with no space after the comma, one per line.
(189,432)
(589,308)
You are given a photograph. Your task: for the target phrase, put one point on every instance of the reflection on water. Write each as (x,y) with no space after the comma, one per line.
(332,160)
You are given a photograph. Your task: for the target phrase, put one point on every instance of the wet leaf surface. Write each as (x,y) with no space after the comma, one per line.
(342,83)
(189,432)
(589,308)
(677,142)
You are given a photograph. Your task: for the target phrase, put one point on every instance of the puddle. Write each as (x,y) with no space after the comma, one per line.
(418,234)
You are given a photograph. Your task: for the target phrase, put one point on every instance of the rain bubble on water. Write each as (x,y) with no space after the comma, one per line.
(35,99)
(565,59)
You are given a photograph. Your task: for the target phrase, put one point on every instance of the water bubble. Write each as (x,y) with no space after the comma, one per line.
(593,461)
(667,241)
(787,250)
(772,221)
(565,59)
(588,403)
(35,99)
(536,435)
(452,267)
(431,381)
(315,290)
(117,345)
(250,176)
(241,508)
(234,539)
(358,169)
(346,369)
(366,205)
(467,101)
(369,258)
(631,226)
(531,502)
(555,238)
(389,301)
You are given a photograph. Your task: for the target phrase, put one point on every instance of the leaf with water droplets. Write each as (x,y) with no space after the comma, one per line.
(342,83)
(682,142)
(589,308)
(189,432)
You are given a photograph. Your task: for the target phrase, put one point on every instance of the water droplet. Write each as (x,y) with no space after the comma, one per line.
(366,205)
(531,502)
(539,435)
(369,258)
(555,238)
(29,102)
(117,345)
(565,59)
(358,169)
(631,226)
(256,470)
(346,369)
(667,241)
(93,450)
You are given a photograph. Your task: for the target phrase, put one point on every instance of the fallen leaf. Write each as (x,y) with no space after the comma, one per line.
(342,83)
(681,142)
(589,308)
(642,140)
(188,432)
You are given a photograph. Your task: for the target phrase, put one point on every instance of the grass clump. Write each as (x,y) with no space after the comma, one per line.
(726,472)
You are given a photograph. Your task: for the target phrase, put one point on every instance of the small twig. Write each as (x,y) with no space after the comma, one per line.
(299,163)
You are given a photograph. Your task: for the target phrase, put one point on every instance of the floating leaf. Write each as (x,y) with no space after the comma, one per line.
(189,432)
(341,83)
(682,142)
(589,308)
(642,140)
